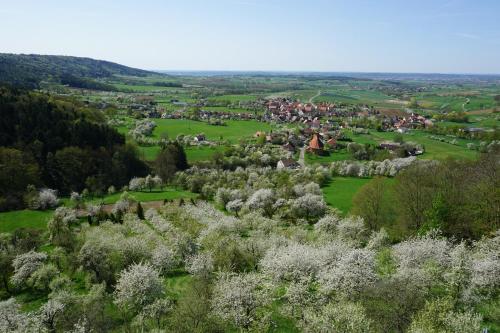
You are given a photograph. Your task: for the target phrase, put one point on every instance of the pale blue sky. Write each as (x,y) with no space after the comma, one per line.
(446,36)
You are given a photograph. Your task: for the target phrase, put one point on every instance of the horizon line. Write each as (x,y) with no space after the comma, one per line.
(259,71)
(317,72)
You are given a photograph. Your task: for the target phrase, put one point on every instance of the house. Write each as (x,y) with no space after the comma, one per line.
(288,163)
(316,124)
(200,138)
(316,144)
(332,143)
(308,107)
(289,147)
(389,145)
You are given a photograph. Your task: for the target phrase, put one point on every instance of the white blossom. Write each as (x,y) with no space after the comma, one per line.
(328,224)
(137,184)
(237,297)
(262,199)
(201,264)
(138,286)
(25,265)
(47,198)
(342,317)
(378,239)
(163,258)
(309,206)
(354,271)
(234,205)
(13,320)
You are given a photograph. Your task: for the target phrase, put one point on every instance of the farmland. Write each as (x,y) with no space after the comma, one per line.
(233,131)
(340,191)
(10,221)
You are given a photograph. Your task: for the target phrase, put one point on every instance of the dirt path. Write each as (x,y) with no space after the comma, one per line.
(317,95)
(467,101)
(302,160)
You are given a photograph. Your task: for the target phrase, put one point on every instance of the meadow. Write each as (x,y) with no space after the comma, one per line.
(339,192)
(338,155)
(193,154)
(455,101)
(37,219)
(228,109)
(146,196)
(10,221)
(235,98)
(433,149)
(233,131)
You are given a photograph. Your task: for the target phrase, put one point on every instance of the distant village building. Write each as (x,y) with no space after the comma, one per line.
(332,143)
(389,145)
(288,163)
(289,147)
(316,145)
(200,138)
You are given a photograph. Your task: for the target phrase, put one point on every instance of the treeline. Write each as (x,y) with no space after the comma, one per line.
(28,70)
(167,84)
(456,117)
(48,142)
(84,83)
(460,198)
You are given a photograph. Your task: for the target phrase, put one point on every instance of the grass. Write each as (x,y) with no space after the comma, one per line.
(340,155)
(155,195)
(193,154)
(340,191)
(234,130)
(141,88)
(177,283)
(434,149)
(227,109)
(10,221)
(234,98)
(196,154)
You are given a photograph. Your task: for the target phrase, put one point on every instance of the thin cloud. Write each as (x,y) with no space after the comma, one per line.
(467,35)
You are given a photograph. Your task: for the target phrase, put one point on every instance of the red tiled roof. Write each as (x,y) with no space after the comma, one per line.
(316,142)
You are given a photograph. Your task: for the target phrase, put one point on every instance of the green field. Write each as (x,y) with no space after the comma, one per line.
(349,95)
(141,88)
(234,131)
(433,149)
(340,191)
(455,101)
(227,109)
(340,155)
(145,196)
(234,98)
(193,154)
(10,221)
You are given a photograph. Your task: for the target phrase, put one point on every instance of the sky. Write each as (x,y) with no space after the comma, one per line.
(410,36)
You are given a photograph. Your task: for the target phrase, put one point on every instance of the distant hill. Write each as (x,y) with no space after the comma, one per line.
(28,70)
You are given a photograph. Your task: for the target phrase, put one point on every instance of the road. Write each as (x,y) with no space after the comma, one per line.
(302,160)
(317,95)
(467,101)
